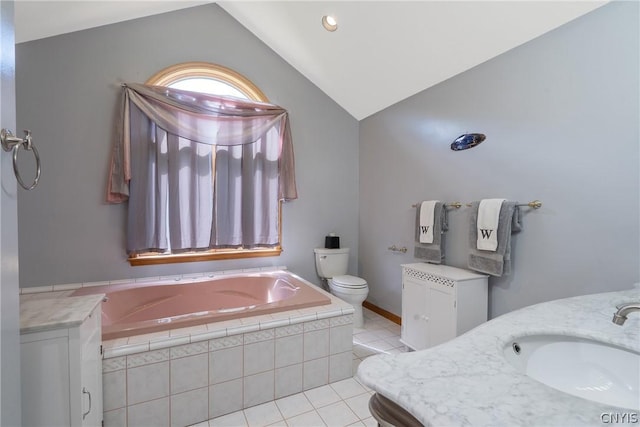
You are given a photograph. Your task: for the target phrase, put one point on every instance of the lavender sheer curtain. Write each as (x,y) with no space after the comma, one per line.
(246,213)
(200,171)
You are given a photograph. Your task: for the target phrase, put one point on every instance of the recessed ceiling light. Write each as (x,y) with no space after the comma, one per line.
(329,23)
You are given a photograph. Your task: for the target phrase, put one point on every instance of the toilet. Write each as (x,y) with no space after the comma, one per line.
(331,264)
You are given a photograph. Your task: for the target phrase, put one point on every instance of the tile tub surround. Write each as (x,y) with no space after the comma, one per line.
(467,381)
(184,376)
(190,383)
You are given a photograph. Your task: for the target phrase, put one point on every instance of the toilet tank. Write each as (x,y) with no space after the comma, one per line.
(331,262)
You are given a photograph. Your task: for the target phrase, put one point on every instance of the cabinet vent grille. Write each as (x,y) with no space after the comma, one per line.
(421,275)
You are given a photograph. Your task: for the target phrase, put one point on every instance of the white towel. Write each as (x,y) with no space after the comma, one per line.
(488,215)
(426,220)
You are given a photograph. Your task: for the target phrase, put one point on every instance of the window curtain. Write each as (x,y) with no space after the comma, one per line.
(246,213)
(169,145)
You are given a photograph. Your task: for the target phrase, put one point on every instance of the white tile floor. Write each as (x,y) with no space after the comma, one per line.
(340,404)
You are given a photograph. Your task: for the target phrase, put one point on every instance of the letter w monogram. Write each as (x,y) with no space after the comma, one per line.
(486,234)
(424,229)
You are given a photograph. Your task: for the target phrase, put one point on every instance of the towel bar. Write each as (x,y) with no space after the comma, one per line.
(456,205)
(535,204)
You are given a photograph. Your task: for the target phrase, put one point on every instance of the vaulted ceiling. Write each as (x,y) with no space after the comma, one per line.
(381,53)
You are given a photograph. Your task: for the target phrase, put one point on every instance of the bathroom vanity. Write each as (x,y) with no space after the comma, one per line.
(483,378)
(61,361)
(440,302)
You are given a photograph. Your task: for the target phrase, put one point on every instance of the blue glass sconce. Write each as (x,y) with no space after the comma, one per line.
(467,140)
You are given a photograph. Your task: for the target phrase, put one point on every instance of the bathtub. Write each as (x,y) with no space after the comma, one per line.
(132,309)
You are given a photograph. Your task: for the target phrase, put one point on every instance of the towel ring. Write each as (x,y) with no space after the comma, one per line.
(12,143)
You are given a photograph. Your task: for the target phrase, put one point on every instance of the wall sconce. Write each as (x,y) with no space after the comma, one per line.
(467,140)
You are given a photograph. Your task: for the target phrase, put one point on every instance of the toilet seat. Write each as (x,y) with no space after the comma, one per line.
(350,282)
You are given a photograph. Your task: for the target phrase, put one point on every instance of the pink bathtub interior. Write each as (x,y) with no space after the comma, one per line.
(134,309)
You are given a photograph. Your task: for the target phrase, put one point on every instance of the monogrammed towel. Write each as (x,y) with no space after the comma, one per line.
(487,224)
(498,262)
(427,209)
(432,252)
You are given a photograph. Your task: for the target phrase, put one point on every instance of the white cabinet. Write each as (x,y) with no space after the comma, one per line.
(440,302)
(61,373)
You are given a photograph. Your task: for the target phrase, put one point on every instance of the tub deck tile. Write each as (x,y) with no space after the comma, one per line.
(256,319)
(37,289)
(171,342)
(124,350)
(348,310)
(275,323)
(93,284)
(193,275)
(303,317)
(192,330)
(224,325)
(147,279)
(309,310)
(280,315)
(329,314)
(243,329)
(119,282)
(205,336)
(44,295)
(68,287)
(118,342)
(137,339)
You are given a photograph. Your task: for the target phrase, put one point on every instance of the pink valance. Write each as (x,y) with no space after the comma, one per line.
(205,119)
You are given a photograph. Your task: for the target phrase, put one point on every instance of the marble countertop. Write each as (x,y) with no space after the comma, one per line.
(467,381)
(37,315)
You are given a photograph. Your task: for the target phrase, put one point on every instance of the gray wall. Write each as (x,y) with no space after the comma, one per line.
(68,89)
(561,118)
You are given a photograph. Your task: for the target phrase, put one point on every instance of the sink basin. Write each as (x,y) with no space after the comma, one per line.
(585,368)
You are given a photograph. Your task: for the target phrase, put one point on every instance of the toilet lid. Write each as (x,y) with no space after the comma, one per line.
(347,281)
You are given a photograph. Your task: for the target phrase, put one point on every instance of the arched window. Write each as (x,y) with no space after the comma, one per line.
(221,81)
(207,78)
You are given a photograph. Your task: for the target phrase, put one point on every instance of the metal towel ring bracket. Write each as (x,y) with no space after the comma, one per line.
(13,143)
